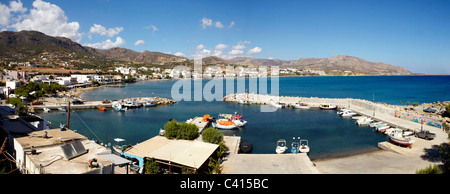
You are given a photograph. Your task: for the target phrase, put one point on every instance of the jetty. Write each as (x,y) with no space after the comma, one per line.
(62,102)
(394,156)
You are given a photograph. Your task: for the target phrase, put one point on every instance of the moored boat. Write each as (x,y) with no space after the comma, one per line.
(328,106)
(301,105)
(101,108)
(281,146)
(348,113)
(47,109)
(294,147)
(398,137)
(304,147)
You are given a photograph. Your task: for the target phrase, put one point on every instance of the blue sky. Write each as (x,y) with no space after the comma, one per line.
(411,34)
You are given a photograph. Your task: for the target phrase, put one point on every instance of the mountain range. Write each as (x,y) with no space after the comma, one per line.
(30,44)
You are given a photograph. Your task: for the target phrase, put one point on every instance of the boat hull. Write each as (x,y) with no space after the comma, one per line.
(403,141)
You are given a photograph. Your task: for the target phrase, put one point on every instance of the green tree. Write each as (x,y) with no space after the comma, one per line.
(187,131)
(151,166)
(408,103)
(172,129)
(212,135)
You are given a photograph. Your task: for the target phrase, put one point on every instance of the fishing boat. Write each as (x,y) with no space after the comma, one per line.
(328,106)
(301,105)
(236,118)
(119,146)
(281,146)
(389,131)
(101,108)
(304,147)
(47,110)
(398,137)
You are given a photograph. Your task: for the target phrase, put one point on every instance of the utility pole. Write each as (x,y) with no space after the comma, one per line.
(68,113)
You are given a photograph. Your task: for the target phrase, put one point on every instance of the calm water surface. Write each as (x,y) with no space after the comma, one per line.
(329,135)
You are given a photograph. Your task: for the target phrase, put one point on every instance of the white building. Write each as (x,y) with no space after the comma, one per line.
(83,78)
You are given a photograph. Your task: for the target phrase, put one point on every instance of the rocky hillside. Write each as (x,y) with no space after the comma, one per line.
(340,62)
(26,44)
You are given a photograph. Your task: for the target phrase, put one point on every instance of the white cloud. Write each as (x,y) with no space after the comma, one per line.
(219,24)
(4,15)
(180,54)
(139,42)
(254,50)
(102,31)
(206,22)
(153,27)
(107,44)
(5,12)
(17,6)
(231,24)
(239,48)
(221,47)
(200,47)
(49,19)
(236,52)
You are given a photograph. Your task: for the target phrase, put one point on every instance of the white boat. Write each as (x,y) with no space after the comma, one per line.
(229,121)
(328,106)
(149,103)
(62,109)
(341,111)
(304,147)
(357,117)
(118,106)
(375,124)
(382,128)
(130,104)
(162,132)
(301,105)
(119,148)
(348,113)
(47,110)
(398,137)
(364,121)
(243,101)
(281,146)
(389,131)
(277,104)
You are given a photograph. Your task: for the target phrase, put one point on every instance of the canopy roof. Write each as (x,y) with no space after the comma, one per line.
(188,153)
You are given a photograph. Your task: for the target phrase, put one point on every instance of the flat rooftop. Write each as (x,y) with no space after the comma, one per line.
(188,153)
(52,159)
(55,137)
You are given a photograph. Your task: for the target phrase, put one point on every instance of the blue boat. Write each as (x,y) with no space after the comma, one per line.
(295,146)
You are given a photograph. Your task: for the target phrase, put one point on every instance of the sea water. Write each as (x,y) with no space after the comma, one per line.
(328,134)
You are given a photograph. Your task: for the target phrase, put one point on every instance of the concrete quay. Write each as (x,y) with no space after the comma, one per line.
(389,159)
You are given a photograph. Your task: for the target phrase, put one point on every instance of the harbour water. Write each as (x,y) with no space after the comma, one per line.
(329,135)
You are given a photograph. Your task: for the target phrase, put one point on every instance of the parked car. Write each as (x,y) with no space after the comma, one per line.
(37,103)
(425,134)
(77,102)
(432,110)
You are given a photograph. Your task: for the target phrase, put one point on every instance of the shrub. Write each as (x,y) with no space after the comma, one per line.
(212,135)
(430,170)
(172,129)
(180,130)
(151,166)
